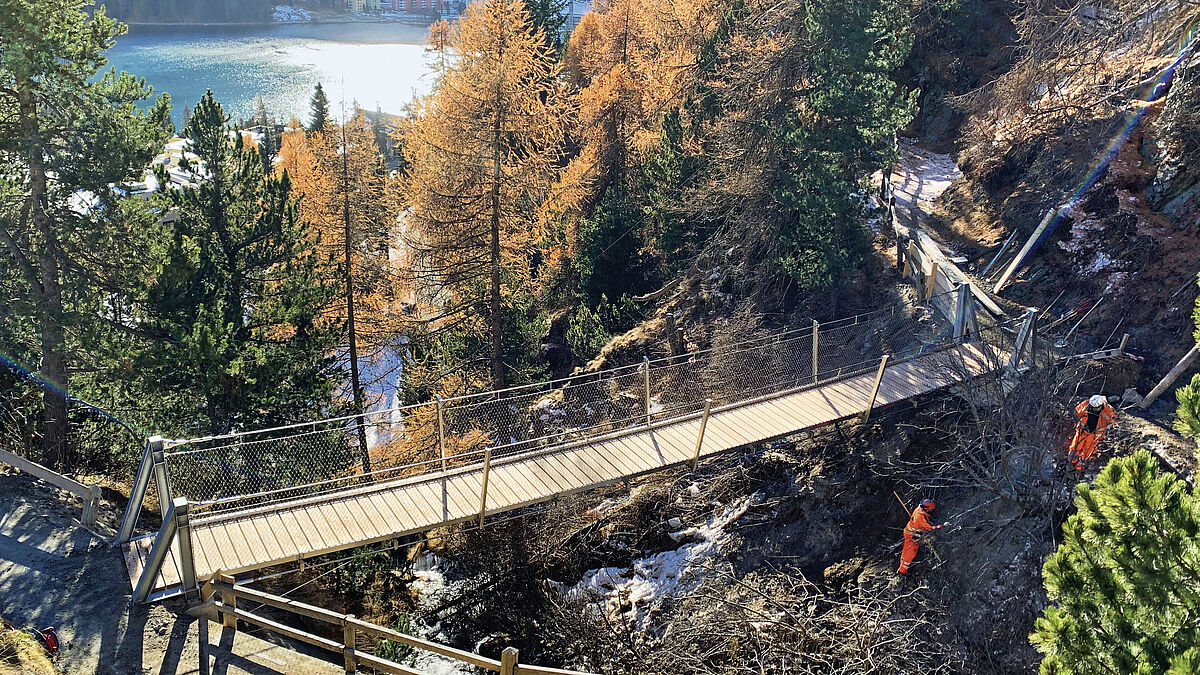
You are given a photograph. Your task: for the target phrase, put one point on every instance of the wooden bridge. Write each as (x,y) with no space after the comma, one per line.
(247,531)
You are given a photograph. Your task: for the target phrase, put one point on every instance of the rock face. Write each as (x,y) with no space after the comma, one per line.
(1176,188)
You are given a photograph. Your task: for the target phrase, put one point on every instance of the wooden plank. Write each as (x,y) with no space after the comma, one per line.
(510,482)
(337,508)
(300,540)
(34,469)
(267,536)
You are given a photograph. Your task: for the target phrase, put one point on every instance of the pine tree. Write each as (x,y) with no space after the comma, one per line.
(240,293)
(1125,582)
(319,107)
(799,108)
(1187,413)
(64,131)
(483,150)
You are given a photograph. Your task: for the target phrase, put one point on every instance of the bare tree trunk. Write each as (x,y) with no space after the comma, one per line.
(53,368)
(355,382)
(494,306)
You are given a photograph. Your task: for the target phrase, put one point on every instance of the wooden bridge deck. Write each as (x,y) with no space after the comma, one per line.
(247,540)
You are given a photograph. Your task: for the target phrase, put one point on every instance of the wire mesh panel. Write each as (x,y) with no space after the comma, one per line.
(247,469)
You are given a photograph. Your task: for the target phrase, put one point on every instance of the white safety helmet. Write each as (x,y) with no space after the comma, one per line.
(1097,401)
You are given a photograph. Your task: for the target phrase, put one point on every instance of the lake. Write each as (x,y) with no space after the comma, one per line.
(380,65)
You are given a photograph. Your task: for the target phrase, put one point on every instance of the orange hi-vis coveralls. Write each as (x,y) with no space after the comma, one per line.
(1088,432)
(918,524)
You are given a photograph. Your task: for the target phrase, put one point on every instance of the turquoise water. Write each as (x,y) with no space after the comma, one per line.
(378,64)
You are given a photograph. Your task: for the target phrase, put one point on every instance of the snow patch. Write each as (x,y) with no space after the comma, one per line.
(653,579)
(1102,261)
(289,14)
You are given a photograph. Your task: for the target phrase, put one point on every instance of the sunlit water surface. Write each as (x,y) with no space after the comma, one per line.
(380,65)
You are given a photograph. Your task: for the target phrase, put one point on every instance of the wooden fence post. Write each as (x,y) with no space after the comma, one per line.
(91,507)
(875,389)
(931,280)
(700,437)
(487,465)
(349,645)
(910,257)
(228,620)
(441,424)
(508,661)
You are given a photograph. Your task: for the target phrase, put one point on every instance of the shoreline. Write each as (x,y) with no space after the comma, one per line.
(417,21)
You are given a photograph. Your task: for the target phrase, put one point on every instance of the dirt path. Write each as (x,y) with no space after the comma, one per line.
(919,178)
(55,573)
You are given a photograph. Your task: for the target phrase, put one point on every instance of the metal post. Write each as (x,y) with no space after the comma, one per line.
(1022,337)
(161,482)
(960,312)
(875,389)
(508,661)
(441,430)
(137,493)
(487,465)
(646,388)
(816,331)
(700,436)
(350,643)
(166,535)
(183,534)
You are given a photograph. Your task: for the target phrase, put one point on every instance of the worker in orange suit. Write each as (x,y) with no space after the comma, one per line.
(1095,414)
(918,525)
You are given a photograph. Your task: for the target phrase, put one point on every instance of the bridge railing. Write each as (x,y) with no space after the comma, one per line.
(244,470)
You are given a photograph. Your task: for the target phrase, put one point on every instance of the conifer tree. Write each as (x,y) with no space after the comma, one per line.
(64,131)
(483,150)
(319,109)
(1125,582)
(240,293)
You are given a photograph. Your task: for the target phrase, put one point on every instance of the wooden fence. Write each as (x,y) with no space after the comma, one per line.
(222,594)
(90,494)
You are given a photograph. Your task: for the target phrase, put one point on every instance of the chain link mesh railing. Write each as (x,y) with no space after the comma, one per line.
(242,470)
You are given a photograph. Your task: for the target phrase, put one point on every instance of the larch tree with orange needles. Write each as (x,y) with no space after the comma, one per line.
(484,148)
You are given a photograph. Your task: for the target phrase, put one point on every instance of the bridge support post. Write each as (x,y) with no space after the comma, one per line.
(441,424)
(508,661)
(700,436)
(1022,338)
(875,389)
(646,387)
(962,294)
(166,535)
(350,645)
(183,534)
(137,494)
(816,331)
(487,465)
(161,482)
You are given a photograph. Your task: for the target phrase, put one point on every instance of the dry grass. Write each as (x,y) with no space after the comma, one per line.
(20,654)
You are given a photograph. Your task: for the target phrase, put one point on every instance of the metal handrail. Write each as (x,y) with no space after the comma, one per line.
(548,385)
